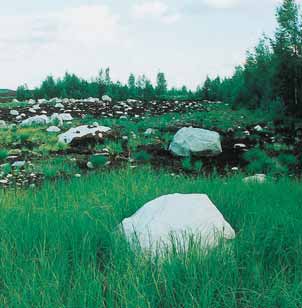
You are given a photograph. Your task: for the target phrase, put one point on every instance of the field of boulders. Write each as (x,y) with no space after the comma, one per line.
(64,138)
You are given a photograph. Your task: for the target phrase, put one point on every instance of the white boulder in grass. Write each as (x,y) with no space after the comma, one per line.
(195,141)
(36,120)
(82,132)
(178,217)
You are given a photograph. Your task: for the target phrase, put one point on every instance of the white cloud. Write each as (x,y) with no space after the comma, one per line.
(57,41)
(221,4)
(150,9)
(155,10)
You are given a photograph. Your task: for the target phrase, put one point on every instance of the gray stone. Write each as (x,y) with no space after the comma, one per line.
(195,141)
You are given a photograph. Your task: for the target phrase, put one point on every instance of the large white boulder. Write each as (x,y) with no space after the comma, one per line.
(36,120)
(177,216)
(195,141)
(82,132)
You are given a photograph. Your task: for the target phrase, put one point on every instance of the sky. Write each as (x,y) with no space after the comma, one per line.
(187,39)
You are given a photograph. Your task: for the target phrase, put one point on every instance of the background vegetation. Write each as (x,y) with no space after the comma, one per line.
(270,79)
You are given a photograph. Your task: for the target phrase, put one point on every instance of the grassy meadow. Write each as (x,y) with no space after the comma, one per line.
(60,245)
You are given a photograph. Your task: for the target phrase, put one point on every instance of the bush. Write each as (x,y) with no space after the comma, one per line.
(187,164)
(275,108)
(3,154)
(289,160)
(98,160)
(142,156)
(198,166)
(260,162)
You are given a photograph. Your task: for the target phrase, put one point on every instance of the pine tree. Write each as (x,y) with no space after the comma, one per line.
(161,84)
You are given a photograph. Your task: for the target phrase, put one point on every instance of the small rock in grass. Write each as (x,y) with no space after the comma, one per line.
(239,146)
(53,129)
(90,165)
(14,112)
(257,178)
(149,131)
(18,164)
(258,128)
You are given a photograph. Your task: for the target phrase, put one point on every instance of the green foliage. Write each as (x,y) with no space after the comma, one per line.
(260,162)
(198,165)
(3,154)
(186,164)
(98,160)
(142,156)
(288,160)
(23,93)
(56,167)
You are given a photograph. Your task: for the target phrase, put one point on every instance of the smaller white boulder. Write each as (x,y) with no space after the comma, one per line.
(36,120)
(195,141)
(82,132)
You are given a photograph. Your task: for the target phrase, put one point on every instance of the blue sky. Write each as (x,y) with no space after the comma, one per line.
(186,39)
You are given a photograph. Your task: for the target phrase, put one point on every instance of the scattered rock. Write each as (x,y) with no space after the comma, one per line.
(53,129)
(150,131)
(106,98)
(3,124)
(18,164)
(177,216)
(59,105)
(257,178)
(90,165)
(258,128)
(14,112)
(239,146)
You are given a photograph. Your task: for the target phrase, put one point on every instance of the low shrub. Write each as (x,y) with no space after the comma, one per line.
(98,160)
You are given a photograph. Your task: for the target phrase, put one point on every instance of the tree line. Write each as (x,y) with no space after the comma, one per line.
(270,78)
(137,88)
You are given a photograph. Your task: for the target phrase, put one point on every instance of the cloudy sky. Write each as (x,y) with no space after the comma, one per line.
(187,39)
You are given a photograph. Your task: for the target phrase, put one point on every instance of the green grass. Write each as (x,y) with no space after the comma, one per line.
(59,246)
